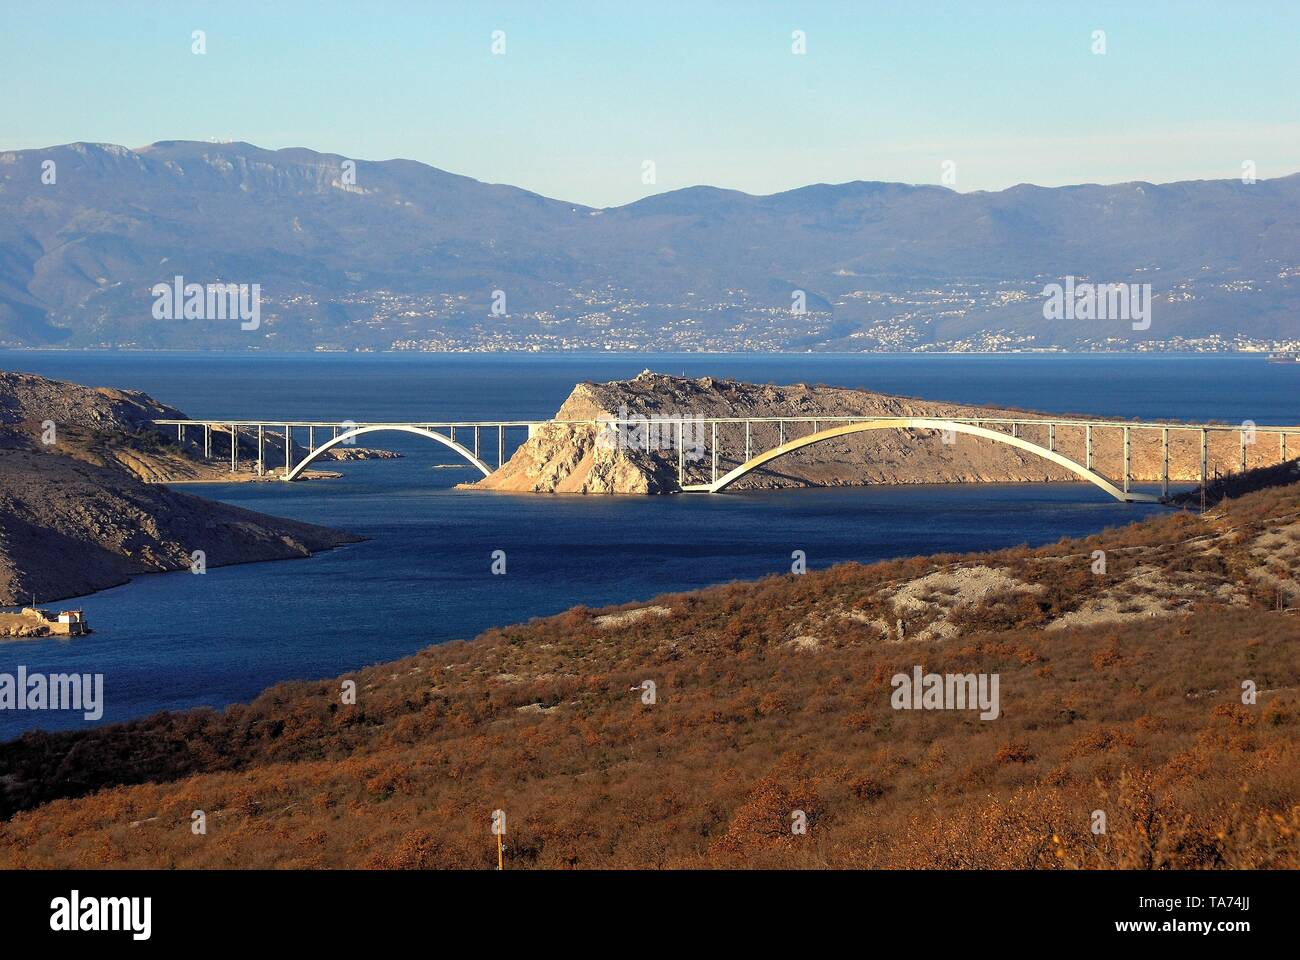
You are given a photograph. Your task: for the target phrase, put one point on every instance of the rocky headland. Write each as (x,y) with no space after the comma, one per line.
(82,507)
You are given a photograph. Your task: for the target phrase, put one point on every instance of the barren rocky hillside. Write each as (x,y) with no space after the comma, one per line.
(25,397)
(76,515)
(564,458)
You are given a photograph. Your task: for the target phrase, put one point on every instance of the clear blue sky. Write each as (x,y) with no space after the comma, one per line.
(709,90)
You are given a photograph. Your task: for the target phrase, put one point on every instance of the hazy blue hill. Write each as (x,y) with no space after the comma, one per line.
(77,258)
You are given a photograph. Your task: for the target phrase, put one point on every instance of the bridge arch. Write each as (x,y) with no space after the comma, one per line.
(400,427)
(926,423)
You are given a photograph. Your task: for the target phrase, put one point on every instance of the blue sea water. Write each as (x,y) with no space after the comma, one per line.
(172,641)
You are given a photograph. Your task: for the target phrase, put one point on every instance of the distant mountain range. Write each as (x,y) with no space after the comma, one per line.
(397,254)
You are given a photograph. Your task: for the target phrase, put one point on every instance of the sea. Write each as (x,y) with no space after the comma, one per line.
(424,574)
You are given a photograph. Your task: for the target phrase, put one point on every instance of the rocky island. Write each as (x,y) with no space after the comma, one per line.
(569,457)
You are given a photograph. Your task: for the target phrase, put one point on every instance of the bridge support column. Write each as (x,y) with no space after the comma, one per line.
(234,448)
(1088,443)
(1051,436)
(288,450)
(261,450)
(501,446)
(1127,460)
(476,429)
(714,450)
(207,441)
(1243,451)
(1164,456)
(311,438)
(781,434)
(1205,455)
(1282,444)
(681,457)
(180,434)
(747,442)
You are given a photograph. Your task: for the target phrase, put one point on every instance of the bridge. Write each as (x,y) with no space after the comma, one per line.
(281,433)
(664,436)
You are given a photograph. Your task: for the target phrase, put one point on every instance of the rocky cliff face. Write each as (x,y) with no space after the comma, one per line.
(567,458)
(75,515)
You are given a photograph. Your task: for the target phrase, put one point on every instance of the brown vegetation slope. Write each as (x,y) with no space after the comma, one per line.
(75,514)
(771,698)
(565,458)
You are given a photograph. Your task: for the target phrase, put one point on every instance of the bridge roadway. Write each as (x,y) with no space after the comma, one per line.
(670,434)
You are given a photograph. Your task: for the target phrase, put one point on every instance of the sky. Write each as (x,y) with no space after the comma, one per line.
(585,95)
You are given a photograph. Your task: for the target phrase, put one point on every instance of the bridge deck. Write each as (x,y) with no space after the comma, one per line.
(688,419)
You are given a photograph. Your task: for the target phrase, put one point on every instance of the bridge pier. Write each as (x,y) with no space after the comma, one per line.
(681,458)
(501,446)
(1088,444)
(1282,444)
(1205,455)
(261,450)
(1243,451)
(234,448)
(1164,469)
(1128,463)
(288,450)
(713,448)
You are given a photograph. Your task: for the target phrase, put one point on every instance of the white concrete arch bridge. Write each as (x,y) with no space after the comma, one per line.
(285,435)
(673,434)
